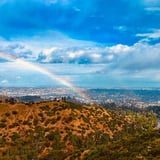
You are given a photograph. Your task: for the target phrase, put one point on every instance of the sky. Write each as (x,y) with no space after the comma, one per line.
(89,43)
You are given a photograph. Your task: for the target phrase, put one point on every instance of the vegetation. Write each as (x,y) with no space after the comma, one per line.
(64,130)
(155,109)
(145,146)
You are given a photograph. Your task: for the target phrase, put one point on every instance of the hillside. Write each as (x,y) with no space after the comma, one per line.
(145,146)
(63,130)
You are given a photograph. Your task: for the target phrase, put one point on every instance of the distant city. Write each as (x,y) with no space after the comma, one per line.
(128,97)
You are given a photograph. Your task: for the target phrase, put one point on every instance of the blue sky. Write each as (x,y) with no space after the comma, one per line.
(116,41)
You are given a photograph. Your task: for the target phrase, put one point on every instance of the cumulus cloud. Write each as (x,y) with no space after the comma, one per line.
(140,56)
(16,49)
(82,55)
(117,62)
(155,34)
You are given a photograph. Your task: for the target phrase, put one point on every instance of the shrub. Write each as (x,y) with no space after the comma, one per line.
(13,125)
(3,120)
(35,122)
(40,114)
(15,136)
(2,125)
(53,121)
(14,112)
(50,136)
(46,108)
(7,114)
(58,118)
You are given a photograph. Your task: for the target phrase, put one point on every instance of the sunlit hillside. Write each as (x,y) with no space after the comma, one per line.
(63,130)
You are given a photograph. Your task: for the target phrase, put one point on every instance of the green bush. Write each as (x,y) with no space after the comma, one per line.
(2,125)
(14,112)
(7,114)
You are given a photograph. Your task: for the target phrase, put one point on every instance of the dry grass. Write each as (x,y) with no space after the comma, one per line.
(65,117)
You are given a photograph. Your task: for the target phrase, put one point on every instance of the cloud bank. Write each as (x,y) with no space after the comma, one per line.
(142,55)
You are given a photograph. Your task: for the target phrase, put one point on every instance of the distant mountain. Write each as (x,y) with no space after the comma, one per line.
(29,99)
(65,131)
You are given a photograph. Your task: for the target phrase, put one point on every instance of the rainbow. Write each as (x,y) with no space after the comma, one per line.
(51,75)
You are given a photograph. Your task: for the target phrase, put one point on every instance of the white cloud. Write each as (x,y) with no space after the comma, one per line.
(72,55)
(4,81)
(49,50)
(110,57)
(121,28)
(119,49)
(81,52)
(136,57)
(96,56)
(142,56)
(16,49)
(154,34)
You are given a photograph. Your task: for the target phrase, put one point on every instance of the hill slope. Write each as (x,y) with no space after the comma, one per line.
(145,146)
(63,130)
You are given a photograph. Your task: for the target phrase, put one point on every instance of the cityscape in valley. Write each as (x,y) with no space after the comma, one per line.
(137,97)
